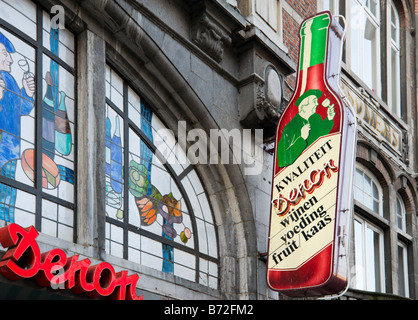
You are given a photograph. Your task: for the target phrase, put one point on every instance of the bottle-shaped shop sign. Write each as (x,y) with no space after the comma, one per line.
(311,205)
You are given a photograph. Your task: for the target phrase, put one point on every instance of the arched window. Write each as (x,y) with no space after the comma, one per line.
(367,190)
(158,214)
(37,120)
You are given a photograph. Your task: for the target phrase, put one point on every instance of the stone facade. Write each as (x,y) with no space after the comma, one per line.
(216,64)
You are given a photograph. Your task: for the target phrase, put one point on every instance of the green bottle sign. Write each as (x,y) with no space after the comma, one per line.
(313,169)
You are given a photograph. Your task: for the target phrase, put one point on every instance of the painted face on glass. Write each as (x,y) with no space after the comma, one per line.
(5,59)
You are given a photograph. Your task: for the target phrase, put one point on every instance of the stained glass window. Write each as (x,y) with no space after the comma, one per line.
(37,120)
(158,214)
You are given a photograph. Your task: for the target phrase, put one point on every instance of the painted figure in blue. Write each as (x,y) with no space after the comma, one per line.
(14,103)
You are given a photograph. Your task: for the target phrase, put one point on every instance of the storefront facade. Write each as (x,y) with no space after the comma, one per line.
(138,133)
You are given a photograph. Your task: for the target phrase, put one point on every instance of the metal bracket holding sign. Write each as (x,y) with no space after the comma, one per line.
(311,206)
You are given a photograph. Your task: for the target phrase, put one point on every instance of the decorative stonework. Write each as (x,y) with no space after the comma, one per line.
(269,96)
(405,147)
(209,37)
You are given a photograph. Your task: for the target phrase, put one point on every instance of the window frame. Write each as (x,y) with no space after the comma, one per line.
(402,214)
(374,181)
(366,225)
(394,46)
(365,13)
(405,272)
(274,21)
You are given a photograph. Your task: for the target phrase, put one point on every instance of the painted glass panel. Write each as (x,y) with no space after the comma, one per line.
(23,208)
(60,42)
(22,11)
(114,243)
(17,94)
(114,164)
(166,206)
(57,220)
(57,130)
(36,127)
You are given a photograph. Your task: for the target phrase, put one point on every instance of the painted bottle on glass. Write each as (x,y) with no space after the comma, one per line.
(48,119)
(116,159)
(63,139)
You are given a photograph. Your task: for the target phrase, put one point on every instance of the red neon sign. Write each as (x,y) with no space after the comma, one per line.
(24,260)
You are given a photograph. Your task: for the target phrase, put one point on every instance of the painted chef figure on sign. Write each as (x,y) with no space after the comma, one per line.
(305,128)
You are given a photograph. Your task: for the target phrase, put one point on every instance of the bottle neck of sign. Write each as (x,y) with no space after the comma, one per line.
(313,52)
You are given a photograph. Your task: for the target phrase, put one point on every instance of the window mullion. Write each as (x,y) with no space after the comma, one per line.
(39,124)
(125,169)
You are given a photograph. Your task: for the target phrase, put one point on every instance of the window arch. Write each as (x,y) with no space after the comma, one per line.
(37,120)
(157,212)
(367,190)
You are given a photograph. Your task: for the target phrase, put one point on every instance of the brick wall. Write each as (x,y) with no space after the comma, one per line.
(294,12)
(305,8)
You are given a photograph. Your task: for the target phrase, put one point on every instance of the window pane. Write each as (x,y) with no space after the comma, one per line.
(22,11)
(395,81)
(23,213)
(373,273)
(372,5)
(359,251)
(114,165)
(375,192)
(400,213)
(401,271)
(376,206)
(59,41)
(369,53)
(358,185)
(394,24)
(17,110)
(356,38)
(366,191)
(57,221)
(18,115)
(267,9)
(394,33)
(367,184)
